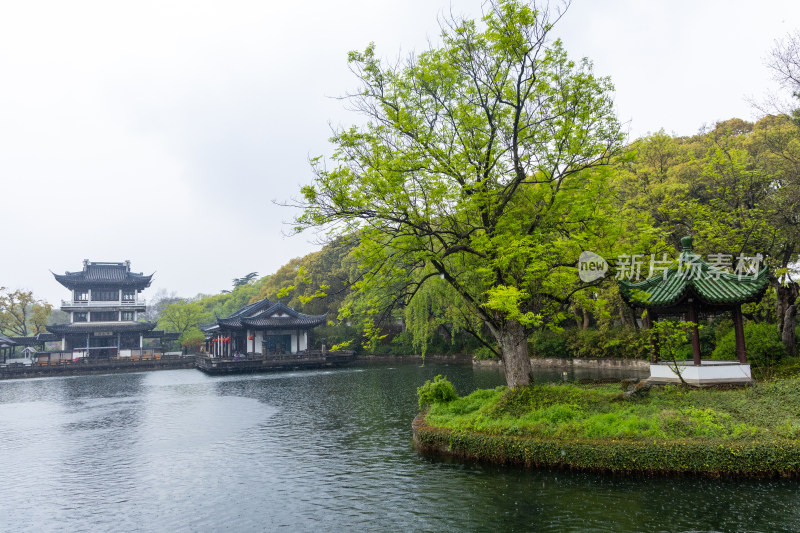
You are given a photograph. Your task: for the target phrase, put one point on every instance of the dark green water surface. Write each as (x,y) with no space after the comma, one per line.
(311,451)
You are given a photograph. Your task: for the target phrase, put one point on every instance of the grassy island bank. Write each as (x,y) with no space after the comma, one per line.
(752,431)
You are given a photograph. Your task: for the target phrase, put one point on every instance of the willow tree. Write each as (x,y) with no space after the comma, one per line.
(470,169)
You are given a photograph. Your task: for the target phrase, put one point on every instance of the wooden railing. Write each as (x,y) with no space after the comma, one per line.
(101,303)
(306,354)
(67,357)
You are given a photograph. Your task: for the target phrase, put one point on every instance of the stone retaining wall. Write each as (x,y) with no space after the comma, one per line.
(556,362)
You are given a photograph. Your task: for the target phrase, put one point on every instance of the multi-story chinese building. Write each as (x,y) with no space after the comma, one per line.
(104,310)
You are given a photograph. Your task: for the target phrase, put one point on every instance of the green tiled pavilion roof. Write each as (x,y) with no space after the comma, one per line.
(710,285)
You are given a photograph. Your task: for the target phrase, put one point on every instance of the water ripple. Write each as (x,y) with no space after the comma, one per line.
(309,451)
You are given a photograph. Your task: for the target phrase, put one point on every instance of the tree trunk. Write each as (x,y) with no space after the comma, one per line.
(585,318)
(623,317)
(787,335)
(786,311)
(647,323)
(513,342)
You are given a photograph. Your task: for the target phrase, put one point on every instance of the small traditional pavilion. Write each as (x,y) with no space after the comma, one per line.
(39,340)
(7,347)
(693,288)
(261,328)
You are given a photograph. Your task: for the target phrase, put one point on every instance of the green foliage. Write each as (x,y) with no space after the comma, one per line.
(603,343)
(192,339)
(185,314)
(709,458)
(22,314)
(763,344)
(478,164)
(672,337)
(438,391)
(788,368)
(587,412)
(316,283)
(484,353)
(435,309)
(335,335)
(181,317)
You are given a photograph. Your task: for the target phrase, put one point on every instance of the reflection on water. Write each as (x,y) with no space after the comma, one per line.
(317,450)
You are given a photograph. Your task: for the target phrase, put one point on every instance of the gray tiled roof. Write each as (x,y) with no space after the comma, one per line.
(117,274)
(5,341)
(36,339)
(262,315)
(88,327)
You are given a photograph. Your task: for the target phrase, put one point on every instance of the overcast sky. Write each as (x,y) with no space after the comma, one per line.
(162,131)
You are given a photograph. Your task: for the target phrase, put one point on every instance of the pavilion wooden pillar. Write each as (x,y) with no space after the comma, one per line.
(648,322)
(738,330)
(695,332)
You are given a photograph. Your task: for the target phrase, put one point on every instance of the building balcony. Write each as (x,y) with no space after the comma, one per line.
(113,303)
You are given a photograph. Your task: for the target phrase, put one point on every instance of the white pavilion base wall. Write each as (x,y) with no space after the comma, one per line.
(707,373)
(303,340)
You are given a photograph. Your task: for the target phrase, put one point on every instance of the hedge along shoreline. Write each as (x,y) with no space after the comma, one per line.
(779,458)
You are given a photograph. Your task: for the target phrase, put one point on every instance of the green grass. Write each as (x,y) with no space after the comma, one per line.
(766,411)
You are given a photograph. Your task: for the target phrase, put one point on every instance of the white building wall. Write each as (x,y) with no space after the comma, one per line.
(259,337)
(298,342)
(303,340)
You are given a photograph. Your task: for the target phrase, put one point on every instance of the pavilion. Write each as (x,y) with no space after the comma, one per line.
(692,289)
(261,328)
(7,347)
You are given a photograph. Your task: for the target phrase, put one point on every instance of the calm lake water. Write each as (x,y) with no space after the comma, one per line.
(310,451)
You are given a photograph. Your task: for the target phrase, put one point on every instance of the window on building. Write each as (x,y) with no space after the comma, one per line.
(128,315)
(105,295)
(81,295)
(276,344)
(104,316)
(80,317)
(128,296)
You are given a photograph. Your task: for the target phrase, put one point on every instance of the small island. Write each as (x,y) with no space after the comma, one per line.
(749,431)
(715,423)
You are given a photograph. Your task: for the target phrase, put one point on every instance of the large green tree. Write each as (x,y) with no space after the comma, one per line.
(21,312)
(475,167)
(181,317)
